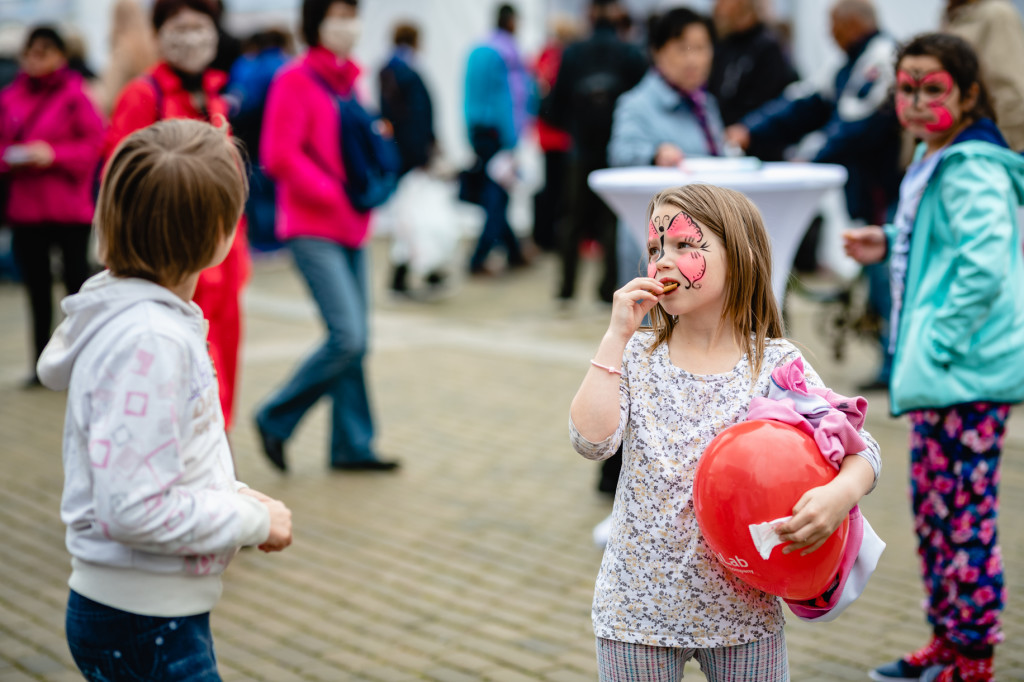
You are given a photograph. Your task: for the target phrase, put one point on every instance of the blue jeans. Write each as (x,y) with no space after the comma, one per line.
(110,645)
(496,227)
(338,280)
(494,200)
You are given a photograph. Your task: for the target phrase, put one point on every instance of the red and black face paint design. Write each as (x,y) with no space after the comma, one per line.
(681,237)
(931,89)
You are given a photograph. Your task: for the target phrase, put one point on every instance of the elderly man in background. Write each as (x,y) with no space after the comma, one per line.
(853,112)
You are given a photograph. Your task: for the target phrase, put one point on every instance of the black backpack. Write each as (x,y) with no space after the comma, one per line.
(370,156)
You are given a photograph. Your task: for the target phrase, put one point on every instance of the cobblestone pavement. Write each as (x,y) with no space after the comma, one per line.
(475,561)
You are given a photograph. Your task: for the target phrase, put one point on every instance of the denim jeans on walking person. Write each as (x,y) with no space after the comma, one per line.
(110,645)
(337,277)
(494,200)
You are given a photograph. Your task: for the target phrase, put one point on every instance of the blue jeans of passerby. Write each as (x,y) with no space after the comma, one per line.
(110,645)
(494,200)
(497,229)
(337,277)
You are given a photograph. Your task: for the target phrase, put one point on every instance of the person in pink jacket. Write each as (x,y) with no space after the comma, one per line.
(301,150)
(51,137)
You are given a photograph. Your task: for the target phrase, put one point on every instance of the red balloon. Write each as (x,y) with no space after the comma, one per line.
(754,472)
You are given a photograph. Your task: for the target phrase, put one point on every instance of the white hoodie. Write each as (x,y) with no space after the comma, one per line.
(150,497)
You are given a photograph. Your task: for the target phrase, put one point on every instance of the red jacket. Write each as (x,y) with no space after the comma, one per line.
(136,106)
(57,111)
(550,138)
(301,149)
(219,287)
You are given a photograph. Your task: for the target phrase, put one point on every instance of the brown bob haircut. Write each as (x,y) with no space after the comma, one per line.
(751,313)
(170,193)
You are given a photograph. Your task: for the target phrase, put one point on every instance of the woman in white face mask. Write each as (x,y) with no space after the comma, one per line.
(301,149)
(182,85)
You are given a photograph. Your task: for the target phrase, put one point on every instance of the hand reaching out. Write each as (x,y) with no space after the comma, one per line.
(866,245)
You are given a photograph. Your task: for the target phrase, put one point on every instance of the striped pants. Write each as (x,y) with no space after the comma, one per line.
(761,661)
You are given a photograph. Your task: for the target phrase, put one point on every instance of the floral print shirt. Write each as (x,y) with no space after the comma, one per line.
(659,582)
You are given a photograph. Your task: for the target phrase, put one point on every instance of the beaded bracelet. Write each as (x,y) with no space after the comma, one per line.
(610,370)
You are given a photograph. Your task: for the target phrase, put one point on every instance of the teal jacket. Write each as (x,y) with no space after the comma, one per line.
(961,333)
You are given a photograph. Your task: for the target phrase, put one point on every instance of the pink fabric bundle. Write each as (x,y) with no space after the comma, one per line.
(833,420)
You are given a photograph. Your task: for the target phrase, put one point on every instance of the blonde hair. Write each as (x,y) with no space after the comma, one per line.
(170,193)
(750,306)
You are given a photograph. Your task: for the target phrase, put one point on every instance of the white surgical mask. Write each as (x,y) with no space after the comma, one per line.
(190,50)
(340,34)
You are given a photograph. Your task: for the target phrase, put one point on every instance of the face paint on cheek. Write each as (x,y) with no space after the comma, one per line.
(692,264)
(943,119)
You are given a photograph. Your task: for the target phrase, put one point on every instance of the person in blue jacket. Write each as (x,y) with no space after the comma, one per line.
(954,251)
(500,99)
(854,115)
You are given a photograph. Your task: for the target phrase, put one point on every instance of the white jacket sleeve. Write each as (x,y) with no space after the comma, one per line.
(147,492)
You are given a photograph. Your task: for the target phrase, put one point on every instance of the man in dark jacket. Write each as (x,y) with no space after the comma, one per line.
(861,132)
(594,72)
(405,103)
(750,67)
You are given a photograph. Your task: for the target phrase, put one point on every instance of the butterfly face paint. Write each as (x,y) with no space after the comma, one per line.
(680,238)
(915,89)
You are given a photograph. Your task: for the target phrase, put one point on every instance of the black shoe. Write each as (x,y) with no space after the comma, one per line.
(896,671)
(273,448)
(365,465)
(399,283)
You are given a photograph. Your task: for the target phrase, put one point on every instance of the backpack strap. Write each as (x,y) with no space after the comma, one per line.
(159,93)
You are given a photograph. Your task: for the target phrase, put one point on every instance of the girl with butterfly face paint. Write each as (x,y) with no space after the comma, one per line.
(664,394)
(954,252)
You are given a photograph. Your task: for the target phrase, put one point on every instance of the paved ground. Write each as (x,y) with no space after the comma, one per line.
(475,562)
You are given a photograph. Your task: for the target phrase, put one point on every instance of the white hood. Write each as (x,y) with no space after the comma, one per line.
(101,298)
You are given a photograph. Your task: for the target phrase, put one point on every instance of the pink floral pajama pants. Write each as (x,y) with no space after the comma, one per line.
(954,481)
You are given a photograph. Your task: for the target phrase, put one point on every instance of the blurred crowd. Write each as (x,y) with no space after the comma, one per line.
(606,90)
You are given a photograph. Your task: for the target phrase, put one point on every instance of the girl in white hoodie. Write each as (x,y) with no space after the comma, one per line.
(153,510)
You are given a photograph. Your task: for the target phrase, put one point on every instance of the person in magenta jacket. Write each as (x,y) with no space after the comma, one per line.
(51,138)
(301,150)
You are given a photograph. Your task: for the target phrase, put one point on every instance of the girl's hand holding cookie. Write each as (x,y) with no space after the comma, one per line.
(631,303)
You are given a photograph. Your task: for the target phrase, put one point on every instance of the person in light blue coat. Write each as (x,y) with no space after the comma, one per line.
(957,276)
(669,115)
(500,99)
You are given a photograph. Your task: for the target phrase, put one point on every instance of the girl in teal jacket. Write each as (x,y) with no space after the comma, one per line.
(954,251)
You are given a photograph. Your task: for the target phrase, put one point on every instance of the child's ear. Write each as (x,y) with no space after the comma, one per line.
(970,98)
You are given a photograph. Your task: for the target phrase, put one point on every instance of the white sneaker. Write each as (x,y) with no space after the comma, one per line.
(602,531)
